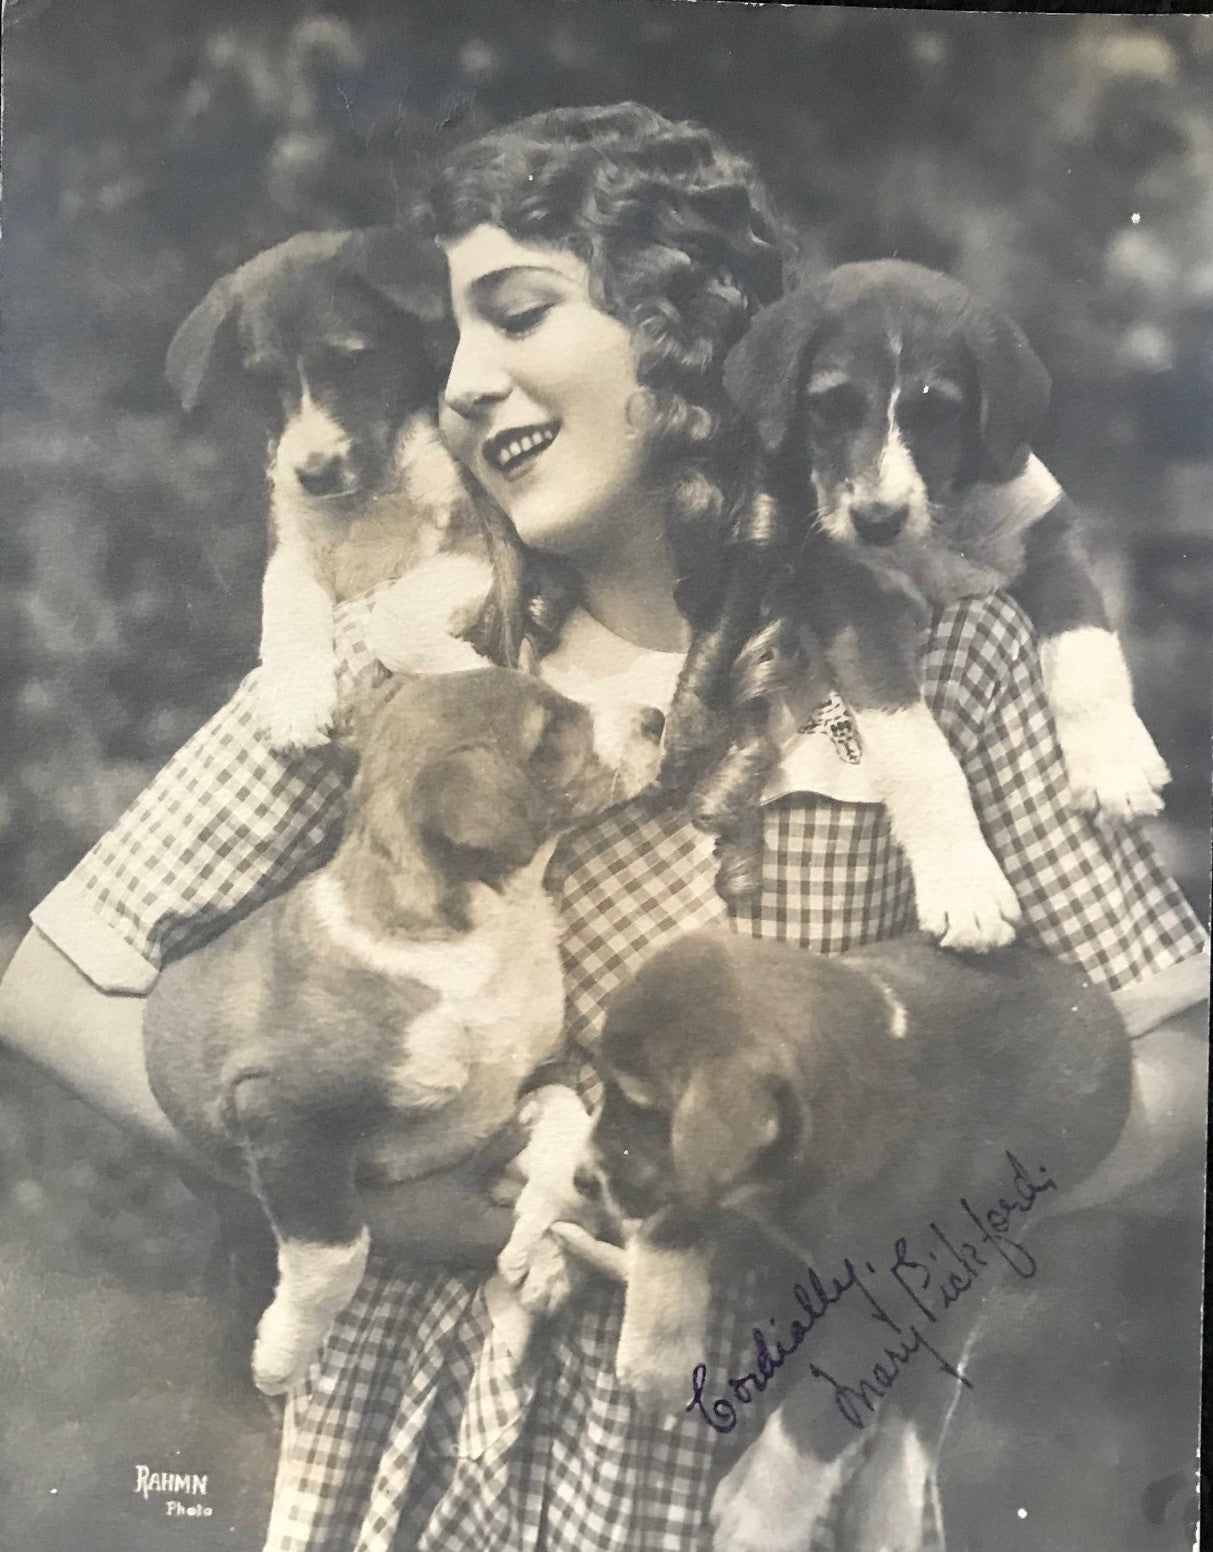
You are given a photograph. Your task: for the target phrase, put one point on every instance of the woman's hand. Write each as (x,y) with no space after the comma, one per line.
(458,1217)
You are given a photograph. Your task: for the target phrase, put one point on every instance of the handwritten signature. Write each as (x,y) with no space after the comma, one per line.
(931,1284)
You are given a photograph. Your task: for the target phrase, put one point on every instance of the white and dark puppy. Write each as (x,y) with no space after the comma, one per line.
(339,337)
(843,1105)
(383,1014)
(899,412)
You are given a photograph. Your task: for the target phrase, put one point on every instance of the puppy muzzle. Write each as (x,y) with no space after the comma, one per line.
(323,475)
(879,522)
(623,759)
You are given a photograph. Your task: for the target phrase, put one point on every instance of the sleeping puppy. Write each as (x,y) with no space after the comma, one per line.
(338,335)
(899,413)
(844,1106)
(382,1015)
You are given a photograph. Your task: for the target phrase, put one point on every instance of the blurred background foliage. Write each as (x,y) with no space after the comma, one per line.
(1062,165)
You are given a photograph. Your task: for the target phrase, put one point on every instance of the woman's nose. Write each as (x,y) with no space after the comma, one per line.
(474,383)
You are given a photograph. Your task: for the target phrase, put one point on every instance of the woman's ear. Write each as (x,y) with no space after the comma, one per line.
(1014,388)
(204,344)
(762,372)
(730,1117)
(476,808)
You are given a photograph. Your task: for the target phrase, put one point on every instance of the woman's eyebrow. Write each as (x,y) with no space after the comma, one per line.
(488,284)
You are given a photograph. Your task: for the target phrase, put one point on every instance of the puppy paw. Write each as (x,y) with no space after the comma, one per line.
(890,1504)
(1112,764)
(532,1263)
(663,1335)
(315,1282)
(287,1340)
(415,625)
(775,1497)
(299,702)
(534,1215)
(969,904)
(549,1280)
(657,1364)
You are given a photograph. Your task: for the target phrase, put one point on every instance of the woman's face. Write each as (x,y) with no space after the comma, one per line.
(536,404)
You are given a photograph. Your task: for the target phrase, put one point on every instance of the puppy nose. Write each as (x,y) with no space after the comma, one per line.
(587,1183)
(651,723)
(320,474)
(878,522)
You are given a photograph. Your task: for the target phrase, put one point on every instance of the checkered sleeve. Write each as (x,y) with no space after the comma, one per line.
(225,825)
(1092,890)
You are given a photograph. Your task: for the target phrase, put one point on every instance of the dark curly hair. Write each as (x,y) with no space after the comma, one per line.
(682,247)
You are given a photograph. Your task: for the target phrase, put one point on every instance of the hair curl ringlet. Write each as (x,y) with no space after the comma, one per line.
(682,247)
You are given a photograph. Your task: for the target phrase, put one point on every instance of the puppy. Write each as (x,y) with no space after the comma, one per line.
(339,337)
(899,413)
(845,1106)
(382,1015)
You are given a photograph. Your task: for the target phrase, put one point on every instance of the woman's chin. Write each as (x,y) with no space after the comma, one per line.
(546,523)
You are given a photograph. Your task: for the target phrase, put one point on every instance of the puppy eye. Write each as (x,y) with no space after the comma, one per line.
(262,371)
(533,730)
(932,404)
(267,385)
(635,1093)
(556,735)
(837,406)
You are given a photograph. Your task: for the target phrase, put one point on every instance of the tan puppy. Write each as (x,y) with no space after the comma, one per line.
(384,1013)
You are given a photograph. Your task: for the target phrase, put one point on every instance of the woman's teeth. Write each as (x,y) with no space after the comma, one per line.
(506,454)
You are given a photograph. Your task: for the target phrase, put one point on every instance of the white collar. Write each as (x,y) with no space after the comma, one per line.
(819,752)
(592,664)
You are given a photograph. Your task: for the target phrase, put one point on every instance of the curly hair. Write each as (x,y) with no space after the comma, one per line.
(682,247)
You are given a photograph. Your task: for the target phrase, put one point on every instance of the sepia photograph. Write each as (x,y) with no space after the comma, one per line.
(606,631)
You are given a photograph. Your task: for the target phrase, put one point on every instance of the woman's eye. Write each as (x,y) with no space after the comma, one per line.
(524,320)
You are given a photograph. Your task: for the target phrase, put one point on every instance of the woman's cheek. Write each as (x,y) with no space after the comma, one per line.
(458,436)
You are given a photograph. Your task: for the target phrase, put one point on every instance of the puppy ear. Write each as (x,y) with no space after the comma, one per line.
(1014,390)
(763,370)
(476,807)
(356,730)
(206,334)
(730,1117)
(401,267)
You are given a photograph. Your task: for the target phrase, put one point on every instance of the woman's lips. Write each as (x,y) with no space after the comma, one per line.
(511,451)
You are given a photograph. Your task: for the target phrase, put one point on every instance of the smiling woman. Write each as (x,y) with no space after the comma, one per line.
(539,406)
(603,263)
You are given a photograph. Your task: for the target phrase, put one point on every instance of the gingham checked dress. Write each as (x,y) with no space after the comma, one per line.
(410,1432)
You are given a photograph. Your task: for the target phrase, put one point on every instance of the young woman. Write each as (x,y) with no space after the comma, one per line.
(602,264)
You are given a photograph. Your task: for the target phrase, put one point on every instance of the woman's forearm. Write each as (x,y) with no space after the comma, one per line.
(90,1040)
(1163,1141)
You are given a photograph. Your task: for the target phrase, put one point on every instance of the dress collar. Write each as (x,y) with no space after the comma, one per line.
(819,748)
(591,663)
